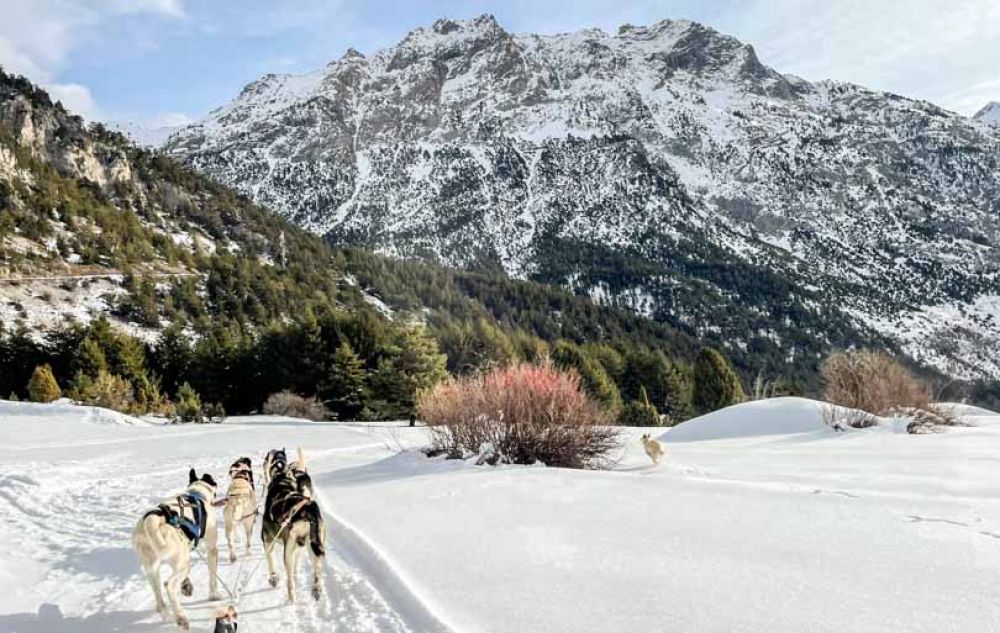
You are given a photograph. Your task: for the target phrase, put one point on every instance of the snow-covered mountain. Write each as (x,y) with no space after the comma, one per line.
(990,113)
(665,168)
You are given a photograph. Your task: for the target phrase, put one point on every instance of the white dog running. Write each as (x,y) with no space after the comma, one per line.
(654,448)
(167,535)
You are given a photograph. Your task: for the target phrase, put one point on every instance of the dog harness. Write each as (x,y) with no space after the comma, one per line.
(193,528)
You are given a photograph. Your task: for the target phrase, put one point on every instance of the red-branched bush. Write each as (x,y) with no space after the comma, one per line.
(524,413)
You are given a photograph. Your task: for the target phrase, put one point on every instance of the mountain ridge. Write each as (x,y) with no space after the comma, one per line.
(663,168)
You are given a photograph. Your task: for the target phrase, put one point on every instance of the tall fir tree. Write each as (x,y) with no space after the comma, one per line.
(344,389)
(411,364)
(716,384)
(678,396)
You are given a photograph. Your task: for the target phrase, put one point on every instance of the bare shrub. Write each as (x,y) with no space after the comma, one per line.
(871,384)
(295,406)
(523,413)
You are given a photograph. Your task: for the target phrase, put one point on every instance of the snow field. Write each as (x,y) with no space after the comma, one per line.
(759,519)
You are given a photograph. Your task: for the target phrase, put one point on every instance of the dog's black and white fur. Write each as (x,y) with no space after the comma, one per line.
(159,542)
(302,479)
(294,518)
(276,461)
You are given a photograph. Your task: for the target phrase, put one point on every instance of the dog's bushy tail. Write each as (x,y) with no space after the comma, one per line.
(315,517)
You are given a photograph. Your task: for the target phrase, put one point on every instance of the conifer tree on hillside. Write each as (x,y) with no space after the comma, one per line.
(678,394)
(43,386)
(639,412)
(716,384)
(411,364)
(344,390)
(595,380)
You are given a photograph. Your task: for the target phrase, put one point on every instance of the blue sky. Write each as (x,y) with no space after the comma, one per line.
(168,61)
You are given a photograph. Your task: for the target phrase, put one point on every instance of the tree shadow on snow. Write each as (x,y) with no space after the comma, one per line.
(49,619)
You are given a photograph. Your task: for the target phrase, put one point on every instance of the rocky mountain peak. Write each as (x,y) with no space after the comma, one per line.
(664,168)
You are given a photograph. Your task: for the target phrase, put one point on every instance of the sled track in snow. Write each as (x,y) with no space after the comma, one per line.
(349,547)
(363,593)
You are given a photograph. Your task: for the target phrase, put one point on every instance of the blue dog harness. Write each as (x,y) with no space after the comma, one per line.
(193,527)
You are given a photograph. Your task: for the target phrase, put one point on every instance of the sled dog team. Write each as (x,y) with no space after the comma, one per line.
(167,534)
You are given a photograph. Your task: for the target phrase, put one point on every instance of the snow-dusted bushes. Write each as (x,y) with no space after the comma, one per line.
(295,406)
(526,413)
(869,384)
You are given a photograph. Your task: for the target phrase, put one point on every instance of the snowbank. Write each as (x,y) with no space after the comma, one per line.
(967,410)
(776,416)
(64,409)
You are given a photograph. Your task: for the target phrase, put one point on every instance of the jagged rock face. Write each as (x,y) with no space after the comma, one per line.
(664,167)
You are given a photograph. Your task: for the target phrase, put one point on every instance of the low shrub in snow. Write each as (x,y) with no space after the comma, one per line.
(295,406)
(106,390)
(871,384)
(525,413)
(43,386)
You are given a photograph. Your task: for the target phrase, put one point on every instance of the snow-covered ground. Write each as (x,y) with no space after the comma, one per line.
(760,519)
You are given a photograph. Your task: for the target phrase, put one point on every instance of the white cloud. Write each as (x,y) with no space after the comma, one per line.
(37,38)
(76,98)
(945,52)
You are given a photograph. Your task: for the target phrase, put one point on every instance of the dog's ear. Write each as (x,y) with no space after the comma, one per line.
(192,476)
(208,479)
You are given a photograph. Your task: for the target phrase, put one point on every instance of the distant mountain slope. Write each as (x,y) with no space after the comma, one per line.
(990,113)
(91,224)
(663,168)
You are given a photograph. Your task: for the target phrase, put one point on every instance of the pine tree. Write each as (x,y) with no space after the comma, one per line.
(716,384)
(412,364)
(593,377)
(639,412)
(344,390)
(43,386)
(188,406)
(678,395)
(89,359)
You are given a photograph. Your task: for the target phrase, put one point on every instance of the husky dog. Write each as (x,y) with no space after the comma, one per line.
(241,504)
(294,518)
(302,479)
(654,448)
(167,535)
(225,620)
(274,462)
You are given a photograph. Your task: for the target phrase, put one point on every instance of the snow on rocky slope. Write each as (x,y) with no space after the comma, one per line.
(869,531)
(665,168)
(990,113)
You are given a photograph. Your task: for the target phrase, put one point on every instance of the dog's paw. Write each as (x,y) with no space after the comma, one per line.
(187,588)
(272,580)
(317,592)
(183,624)
(215,597)
(232,558)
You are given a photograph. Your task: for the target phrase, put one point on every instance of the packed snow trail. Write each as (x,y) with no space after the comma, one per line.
(70,507)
